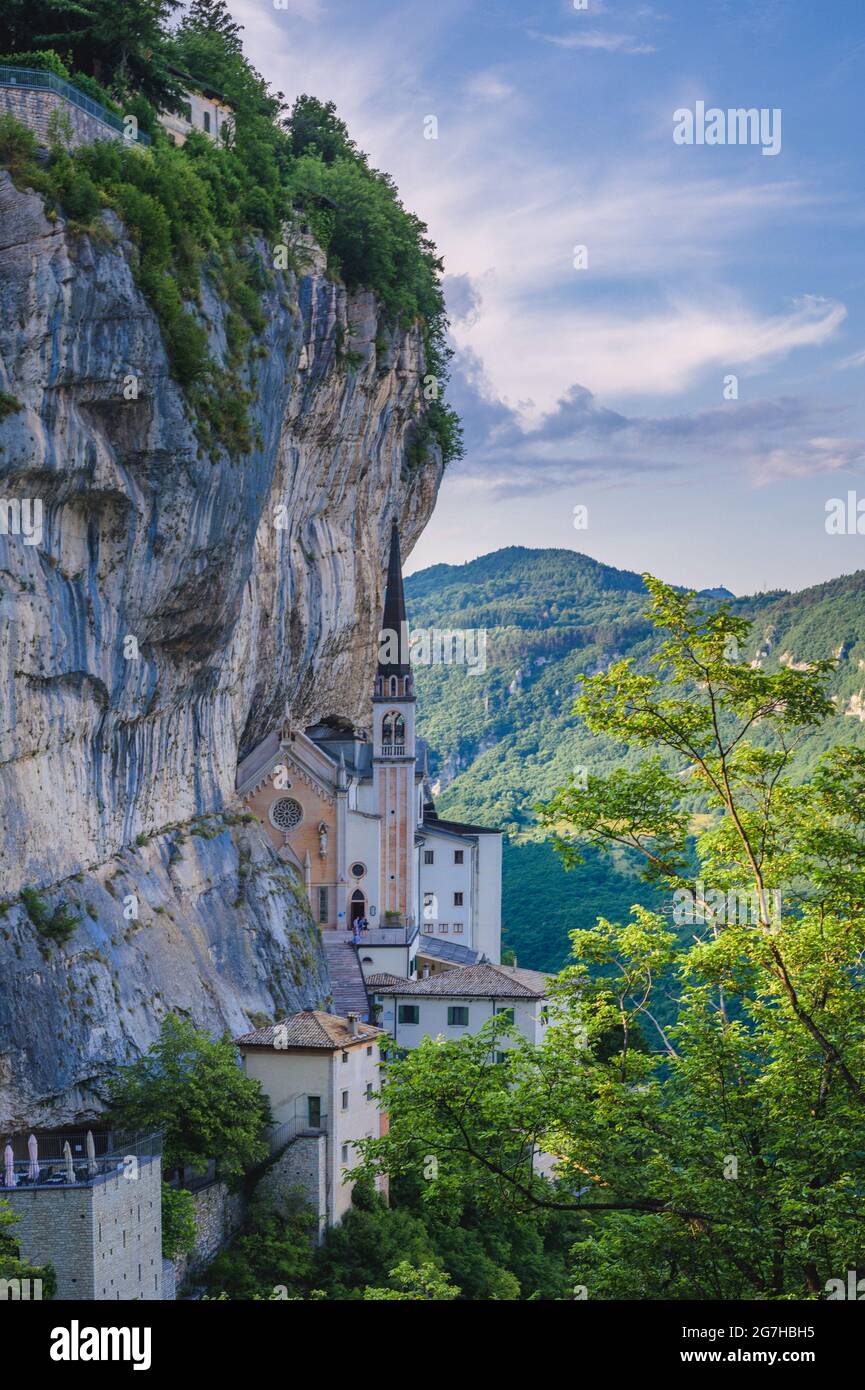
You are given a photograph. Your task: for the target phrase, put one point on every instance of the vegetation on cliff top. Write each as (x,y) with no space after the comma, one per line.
(219,211)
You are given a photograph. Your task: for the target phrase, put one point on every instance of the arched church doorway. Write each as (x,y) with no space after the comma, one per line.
(358,906)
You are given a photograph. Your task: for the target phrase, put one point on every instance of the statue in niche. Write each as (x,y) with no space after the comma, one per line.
(322,841)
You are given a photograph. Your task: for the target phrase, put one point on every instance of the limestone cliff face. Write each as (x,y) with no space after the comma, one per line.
(251,588)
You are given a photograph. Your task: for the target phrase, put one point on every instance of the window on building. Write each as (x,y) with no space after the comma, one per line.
(458,856)
(369,1052)
(443,928)
(369,1090)
(545,1013)
(429,856)
(412,966)
(501,1056)
(358,870)
(286,814)
(313,1111)
(323,913)
(506,1015)
(206,120)
(458,1016)
(345,1153)
(345,1057)
(408,1013)
(345,1100)
(458,926)
(458,899)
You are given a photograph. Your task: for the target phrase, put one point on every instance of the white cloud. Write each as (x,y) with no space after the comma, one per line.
(597,39)
(655,309)
(487,86)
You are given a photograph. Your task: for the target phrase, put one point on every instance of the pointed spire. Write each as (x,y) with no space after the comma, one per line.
(393,638)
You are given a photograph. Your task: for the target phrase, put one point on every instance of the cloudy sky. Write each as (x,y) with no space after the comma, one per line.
(604,384)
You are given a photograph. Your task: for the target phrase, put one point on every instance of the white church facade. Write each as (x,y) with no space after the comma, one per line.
(350,809)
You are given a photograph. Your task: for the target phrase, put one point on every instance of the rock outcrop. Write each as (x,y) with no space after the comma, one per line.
(178,604)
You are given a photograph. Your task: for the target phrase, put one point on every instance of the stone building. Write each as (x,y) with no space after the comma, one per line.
(206,111)
(102,1232)
(320,1074)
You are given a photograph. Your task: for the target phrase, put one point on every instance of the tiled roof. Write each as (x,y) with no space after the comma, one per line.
(384,978)
(484,980)
(310,1029)
(439,949)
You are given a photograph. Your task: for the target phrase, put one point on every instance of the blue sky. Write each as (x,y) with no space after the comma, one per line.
(603,387)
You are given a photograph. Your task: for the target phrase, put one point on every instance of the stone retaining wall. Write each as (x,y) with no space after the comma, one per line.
(218,1214)
(34,107)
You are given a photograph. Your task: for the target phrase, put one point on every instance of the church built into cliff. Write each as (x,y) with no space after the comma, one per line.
(350,810)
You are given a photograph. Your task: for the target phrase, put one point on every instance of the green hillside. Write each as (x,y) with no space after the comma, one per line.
(504,738)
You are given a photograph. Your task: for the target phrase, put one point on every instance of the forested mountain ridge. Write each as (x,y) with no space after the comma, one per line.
(504,738)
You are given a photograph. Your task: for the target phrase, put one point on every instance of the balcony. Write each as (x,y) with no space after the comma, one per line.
(121,1156)
(393,750)
(393,931)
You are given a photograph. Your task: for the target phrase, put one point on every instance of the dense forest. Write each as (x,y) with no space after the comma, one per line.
(503,739)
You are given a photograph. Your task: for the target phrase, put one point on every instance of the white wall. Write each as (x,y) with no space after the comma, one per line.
(488,932)
(444,877)
(363,833)
(433,1018)
(319,1072)
(390,960)
(179,127)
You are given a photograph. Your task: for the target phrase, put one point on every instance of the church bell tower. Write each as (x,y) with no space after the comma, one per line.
(393,722)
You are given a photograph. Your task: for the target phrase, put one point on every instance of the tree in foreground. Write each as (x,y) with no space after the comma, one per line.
(189,1087)
(415,1286)
(728,1160)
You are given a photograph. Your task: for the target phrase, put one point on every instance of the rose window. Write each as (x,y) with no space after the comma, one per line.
(286,813)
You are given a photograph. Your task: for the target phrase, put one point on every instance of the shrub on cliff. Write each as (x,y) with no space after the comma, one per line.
(57,924)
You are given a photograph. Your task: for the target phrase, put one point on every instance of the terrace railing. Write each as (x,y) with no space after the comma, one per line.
(40,80)
(122,1157)
(303,1119)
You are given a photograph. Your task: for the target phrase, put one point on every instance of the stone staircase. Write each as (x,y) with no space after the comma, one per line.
(346,976)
